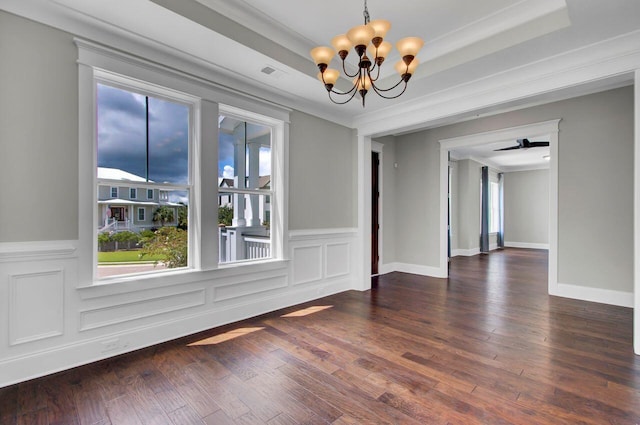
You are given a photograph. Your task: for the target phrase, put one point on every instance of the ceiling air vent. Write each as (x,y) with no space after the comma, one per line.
(273,72)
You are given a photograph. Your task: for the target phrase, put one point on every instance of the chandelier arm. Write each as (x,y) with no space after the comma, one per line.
(344,69)
(381,91)
(352,89)
(372,69)
(346,101)
(378,89)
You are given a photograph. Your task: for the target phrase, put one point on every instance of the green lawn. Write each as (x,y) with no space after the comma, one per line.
(125,257)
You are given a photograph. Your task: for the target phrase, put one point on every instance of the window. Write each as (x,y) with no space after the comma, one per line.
(244,176)
(494,207)
(142,136)
(174,164)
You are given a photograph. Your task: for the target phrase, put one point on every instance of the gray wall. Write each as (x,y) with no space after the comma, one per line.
(39,145)
(595,186)
(526,207)
(468,212)
(322,174)
(417,200)
(38,132)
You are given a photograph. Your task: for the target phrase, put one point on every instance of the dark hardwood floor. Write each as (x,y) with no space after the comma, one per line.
(488,346)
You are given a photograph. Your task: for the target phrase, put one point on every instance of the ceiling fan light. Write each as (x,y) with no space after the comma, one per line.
(360,35)
(322,55)
(409,46)
(341,43)
(380,27)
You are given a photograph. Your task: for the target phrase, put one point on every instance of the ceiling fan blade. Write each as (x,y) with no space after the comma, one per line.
(508,149)
(536,144)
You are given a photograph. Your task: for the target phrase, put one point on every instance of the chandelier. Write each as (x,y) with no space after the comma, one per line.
(361,38)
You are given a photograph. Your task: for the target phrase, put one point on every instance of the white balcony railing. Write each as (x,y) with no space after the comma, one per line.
(236,246)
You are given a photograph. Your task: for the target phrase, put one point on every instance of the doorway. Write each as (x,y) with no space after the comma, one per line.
(547,129)
(375,212)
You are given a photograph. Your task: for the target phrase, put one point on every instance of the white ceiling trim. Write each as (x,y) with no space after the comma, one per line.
(619,55)
(502,21)
(250,17)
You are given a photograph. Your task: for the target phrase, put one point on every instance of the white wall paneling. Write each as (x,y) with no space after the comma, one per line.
(307,264)
(131,311)
(338,259)
(36,305)
(55,324)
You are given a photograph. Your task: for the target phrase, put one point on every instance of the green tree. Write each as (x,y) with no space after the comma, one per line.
(183,216)
(168,242)
(163,215)
(225,215)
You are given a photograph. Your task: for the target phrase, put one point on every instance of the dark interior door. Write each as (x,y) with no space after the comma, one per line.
(375,203)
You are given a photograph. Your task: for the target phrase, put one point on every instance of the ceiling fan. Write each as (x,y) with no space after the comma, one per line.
(524,144)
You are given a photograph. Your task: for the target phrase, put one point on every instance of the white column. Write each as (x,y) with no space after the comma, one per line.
(239,174)
(254,179)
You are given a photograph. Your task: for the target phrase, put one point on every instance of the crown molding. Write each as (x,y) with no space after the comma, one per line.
(588,64)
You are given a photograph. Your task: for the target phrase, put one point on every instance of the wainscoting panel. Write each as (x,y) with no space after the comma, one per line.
(250,287)
(36,306)
(91,319)
(307,264)
(338,259)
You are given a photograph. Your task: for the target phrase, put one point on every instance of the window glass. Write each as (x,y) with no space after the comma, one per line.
(142,140)
(244,190)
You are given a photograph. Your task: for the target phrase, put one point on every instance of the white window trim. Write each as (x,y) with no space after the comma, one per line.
(117,190)
(149,197)
(134,191)
(203,244)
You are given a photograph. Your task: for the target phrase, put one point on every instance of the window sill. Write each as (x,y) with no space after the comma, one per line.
(141,282)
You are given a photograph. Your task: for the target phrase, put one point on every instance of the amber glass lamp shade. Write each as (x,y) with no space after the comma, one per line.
(409,46)
(322,55)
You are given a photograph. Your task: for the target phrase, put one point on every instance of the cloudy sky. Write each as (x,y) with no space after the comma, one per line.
(122,138)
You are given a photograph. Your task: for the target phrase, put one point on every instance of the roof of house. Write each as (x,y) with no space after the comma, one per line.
(117,174)
(263,182)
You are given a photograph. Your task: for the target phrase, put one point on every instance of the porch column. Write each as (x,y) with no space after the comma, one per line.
(239,150)
(254,181)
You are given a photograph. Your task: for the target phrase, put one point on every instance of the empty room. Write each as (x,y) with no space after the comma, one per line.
(422,212)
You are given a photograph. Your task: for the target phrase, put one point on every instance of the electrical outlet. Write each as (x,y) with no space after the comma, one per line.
(113,345)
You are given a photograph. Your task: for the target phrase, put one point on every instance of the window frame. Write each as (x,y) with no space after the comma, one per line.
(94,60)
(494,215)
(149,191)
(133,193)
(111,191)
(248,117)
(144,214)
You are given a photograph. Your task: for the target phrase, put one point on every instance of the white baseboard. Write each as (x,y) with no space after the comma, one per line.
(465,252)
(526,245)
(45,362)
(413,269)
(386,268)
(597,295)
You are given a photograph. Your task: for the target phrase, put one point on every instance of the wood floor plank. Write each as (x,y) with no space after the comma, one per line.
(485,346)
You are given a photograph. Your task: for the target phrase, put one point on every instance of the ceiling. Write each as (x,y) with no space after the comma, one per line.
(534,158)
(479,57)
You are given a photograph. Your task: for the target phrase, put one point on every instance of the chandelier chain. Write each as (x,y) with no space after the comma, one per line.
(367,18)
